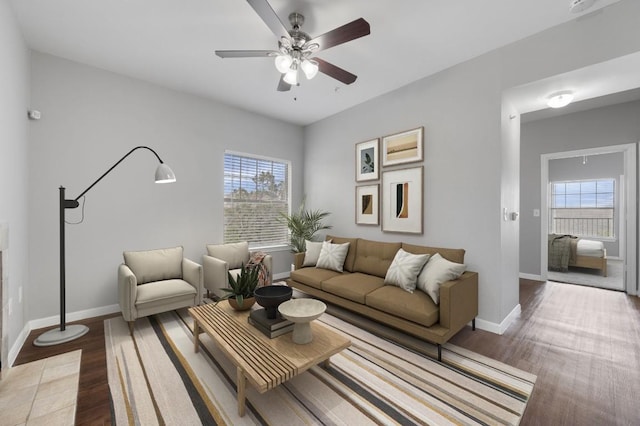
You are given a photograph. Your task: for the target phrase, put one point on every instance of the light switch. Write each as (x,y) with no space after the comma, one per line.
(536,212)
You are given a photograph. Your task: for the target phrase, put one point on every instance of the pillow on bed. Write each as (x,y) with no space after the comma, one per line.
(438,270)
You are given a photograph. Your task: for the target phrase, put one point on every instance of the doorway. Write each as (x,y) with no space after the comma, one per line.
(572,166)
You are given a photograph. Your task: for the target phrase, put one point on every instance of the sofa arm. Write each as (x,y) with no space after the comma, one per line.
(127,292)
(215,274)
(192,273)
(459,301)
(298,260)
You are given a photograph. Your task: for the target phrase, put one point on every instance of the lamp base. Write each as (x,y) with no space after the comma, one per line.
(56,337)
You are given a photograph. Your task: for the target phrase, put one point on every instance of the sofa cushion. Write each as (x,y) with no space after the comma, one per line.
(375,257)
(332,256)
(155,265)
(438,270)
(235,254)
(354,286)
(417,307)
(163,290)
(454,255)
(313,277)
(313,253)
(404,270)
(351,254)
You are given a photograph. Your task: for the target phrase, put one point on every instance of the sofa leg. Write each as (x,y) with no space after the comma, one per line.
(131,328)
(473,324)
(439,352)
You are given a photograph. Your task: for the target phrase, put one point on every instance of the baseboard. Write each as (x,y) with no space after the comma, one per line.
(502,327)
(531,277)
(281,276)
(74,316)
(17,345)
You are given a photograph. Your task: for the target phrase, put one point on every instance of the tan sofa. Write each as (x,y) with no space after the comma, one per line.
(360,288)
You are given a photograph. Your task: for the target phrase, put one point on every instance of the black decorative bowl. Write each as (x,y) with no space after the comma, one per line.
(271,296)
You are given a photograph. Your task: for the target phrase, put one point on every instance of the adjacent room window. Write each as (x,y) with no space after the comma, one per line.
(583,208)
(256,191)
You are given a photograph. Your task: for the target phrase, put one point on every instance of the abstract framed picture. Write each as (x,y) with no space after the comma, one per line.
(367,160)
(404,147)
(402,200)
(367,204)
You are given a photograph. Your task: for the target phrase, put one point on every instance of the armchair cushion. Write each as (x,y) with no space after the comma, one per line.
(155,265)
(235,254)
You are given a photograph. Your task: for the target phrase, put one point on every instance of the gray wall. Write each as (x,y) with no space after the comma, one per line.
(612,125)
(14,142)
(91,118)
(471,147)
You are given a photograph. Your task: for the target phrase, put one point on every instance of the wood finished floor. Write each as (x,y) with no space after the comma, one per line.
(582,343)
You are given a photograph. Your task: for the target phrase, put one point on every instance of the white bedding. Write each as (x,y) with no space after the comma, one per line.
(590,248)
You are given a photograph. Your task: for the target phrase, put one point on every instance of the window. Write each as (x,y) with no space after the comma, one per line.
(256,191)
(584,208)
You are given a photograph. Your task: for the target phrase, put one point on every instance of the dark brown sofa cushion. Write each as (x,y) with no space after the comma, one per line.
(312,276)
(351,254)
(454,255)
(352,286)
(417,307)
(375,257)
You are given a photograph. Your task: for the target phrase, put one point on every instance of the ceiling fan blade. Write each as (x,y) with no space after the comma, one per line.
(283,86)
(335,72)
(245,53)
(347,32)
(268,15)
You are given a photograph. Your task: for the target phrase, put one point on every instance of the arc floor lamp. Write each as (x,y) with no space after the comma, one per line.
(63,334)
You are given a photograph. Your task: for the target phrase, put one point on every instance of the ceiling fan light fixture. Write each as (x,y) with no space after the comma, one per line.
(283,63)
(291,76)
(560,99)
(310,68)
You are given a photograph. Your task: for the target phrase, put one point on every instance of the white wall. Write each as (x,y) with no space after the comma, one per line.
(607,126)
(471,150)
(91,118)
(14,97)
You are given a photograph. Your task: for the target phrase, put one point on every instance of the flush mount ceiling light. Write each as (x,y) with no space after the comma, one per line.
(560,99)
(577,6)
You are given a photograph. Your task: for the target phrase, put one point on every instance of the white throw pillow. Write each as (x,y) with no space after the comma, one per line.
(332,256)
(438,270)
(313,253)
(404,270)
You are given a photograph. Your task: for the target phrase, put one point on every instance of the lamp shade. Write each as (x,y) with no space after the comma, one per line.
(164,174)
(291,77)
(310,68)
(283,62)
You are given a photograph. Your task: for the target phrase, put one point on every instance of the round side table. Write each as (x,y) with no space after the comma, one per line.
(301,312)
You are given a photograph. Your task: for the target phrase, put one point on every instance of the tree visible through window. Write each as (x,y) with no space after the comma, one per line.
(256,191)
(584,208)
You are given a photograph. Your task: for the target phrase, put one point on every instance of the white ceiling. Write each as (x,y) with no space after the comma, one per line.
(172,43)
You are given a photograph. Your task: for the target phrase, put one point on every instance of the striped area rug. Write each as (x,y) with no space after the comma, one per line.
(157,378)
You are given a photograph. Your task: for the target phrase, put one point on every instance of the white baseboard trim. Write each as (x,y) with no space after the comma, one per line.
(502,327)
(531,277)
(281,276)
(49,321)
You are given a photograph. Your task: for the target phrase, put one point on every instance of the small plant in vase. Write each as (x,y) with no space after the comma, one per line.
(241,288)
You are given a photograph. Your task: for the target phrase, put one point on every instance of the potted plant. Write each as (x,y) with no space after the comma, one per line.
(303,225)
(240,290)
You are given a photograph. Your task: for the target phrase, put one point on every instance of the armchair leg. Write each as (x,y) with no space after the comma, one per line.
(131,328)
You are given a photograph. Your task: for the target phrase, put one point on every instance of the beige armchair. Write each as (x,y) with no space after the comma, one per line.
(223,258)
(154,281)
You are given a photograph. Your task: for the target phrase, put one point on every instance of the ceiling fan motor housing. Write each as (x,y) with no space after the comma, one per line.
(577,6)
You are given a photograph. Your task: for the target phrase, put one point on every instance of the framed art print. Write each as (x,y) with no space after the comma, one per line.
(367,161)
(404,147)
(367,204)
(402,200)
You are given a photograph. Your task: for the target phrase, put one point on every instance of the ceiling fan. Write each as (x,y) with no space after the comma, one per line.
(296,49)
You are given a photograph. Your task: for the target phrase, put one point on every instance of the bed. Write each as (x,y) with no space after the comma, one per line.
(568,250)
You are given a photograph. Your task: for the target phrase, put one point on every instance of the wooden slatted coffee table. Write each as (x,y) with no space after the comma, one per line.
(264,362)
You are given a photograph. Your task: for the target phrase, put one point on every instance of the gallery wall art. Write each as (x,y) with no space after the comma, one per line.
(367,204)
(402,200)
